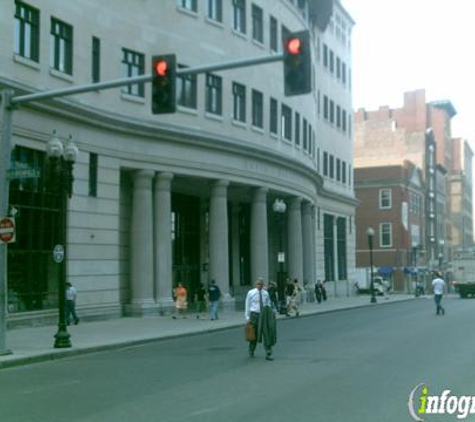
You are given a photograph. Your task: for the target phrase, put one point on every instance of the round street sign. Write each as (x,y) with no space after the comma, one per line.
(58,253)
(7,230)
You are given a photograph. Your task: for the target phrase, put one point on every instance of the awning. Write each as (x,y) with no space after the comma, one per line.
(385,271)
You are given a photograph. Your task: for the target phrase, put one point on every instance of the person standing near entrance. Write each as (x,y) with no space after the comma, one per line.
(258,312)
(214,294)
(71,294)
(438,284)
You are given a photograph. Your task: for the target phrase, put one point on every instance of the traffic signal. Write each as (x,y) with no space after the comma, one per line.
(297,64)
(163,84)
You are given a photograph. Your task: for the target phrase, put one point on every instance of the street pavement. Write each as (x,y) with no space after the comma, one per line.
(35,344)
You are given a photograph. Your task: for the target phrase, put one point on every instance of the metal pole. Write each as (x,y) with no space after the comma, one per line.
(62,337)
(144,78)
(370,241)
(5,162)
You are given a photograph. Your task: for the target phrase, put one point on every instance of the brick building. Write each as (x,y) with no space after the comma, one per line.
(420,132)
(392,203)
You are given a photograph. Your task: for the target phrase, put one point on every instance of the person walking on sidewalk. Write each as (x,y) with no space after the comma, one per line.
(259,313)
(214,294)
(71,294)
(438,284)
(200,300)
(181,302)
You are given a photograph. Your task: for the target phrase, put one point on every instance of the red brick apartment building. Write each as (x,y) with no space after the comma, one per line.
(416,136)
(392,203)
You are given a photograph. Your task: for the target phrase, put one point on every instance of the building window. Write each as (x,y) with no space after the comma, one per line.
(384,199)
(96,59)
(273,116)
(215,10)
(286,122)
(325,55)
(274,37)
(343,73)
(338,116)
(214,94)
(338,170)
(285,33)
(189,4)
(133,64)
(297,128)
(343,172)
(305,134)
(257,24)
(331,166)
(332,111)
(325,163)
(26,32)
(239,13)
(326,112)
(343,120)
(341,248)
(93,161)
(186,92)
(332,61)
(329,246)
(239,102)
(61,46)
(257,109)
(385,235)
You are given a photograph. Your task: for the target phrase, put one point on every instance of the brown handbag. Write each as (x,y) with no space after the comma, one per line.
(250,332)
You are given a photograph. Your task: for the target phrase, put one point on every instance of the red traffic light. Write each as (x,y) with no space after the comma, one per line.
(294,46)
(161,67)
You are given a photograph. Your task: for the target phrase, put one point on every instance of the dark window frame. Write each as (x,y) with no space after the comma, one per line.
(27,31)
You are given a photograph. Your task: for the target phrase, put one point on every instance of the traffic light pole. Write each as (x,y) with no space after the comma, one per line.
(7,106)
(5,162)
(22,99)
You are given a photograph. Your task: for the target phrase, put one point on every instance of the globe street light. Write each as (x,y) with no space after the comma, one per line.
(370,233)
(60,164)
(279,208)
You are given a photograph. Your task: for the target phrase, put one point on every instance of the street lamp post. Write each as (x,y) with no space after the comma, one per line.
(370,233)
(60,163)
(279,207)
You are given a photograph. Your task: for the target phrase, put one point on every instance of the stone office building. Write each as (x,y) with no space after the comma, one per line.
(185,197)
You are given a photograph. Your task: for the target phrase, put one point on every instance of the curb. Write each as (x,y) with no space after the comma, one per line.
(68,353)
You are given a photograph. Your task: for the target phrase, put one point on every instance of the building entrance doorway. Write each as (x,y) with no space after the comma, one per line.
(186,242)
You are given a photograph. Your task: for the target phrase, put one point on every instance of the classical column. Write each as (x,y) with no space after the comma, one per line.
(218,236)
(235,250)
(163,239)
(295,243)
(259,241)
(141,243)
(308,233)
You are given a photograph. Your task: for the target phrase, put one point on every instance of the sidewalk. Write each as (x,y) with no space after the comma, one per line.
(35,344)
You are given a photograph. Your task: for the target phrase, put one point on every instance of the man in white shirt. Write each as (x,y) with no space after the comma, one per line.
(438,284)
(256,300)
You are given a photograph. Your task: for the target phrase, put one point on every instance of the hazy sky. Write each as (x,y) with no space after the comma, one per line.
(403,45)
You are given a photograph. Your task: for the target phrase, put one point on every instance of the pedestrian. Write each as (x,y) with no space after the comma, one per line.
(318,291)
(200,300)
(289,292)
(214,294)
(296,299)
(71,294)
(258,312)
(272,290)
(181,302)
(438,284)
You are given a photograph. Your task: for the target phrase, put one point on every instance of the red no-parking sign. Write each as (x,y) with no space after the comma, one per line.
(7,229)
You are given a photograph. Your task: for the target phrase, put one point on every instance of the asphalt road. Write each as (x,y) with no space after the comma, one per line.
(354,365)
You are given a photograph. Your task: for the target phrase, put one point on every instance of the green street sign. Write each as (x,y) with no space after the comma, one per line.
(23,174)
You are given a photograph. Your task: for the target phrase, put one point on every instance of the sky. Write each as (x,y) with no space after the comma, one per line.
(403,45)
